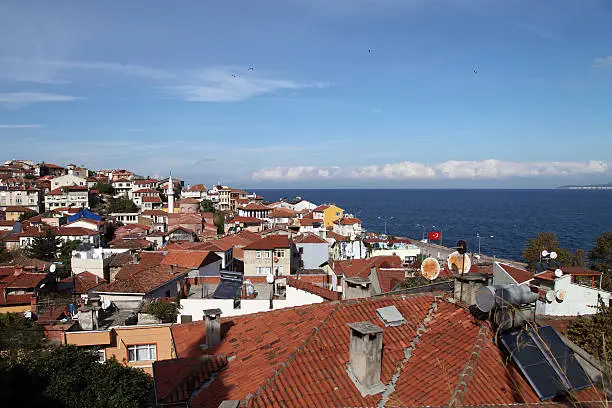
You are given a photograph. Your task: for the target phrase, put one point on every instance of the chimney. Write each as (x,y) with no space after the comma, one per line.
(365,361)
(172,269)
(213,327)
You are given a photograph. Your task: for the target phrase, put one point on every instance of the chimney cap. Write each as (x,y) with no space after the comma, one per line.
(212,312)
(365,328)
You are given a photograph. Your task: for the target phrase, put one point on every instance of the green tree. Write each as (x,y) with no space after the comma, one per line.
(207,206)
(601,258)
(164,311)
(122,205)
(45,245)
(71,377)
(5,255)
(590,332)
(219,221)
(104,188)
(27,215)
(65,257)
(19,333)
(548,241)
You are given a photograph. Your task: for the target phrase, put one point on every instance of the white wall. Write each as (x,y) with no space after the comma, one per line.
(401,252)
(579,299)
(295,297)
(501,277)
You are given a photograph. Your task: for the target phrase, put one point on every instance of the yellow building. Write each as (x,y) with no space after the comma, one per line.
(328,213)
(136,346)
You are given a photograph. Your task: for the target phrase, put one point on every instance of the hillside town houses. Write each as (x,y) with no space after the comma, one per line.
(267,292)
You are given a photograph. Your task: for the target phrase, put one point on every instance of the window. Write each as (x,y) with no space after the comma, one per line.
(266,254)
(263,270)
(258,254)
(280,270)
(142,352)
(279,253)
(101,356)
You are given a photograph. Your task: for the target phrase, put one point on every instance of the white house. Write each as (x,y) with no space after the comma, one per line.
(197,191)
(303,205)
(407,252)
(70,196)
(67,180)
(348,226)
(24,197)
(123,188)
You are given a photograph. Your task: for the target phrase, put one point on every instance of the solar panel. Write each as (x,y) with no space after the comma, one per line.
(227,289)
(546,362)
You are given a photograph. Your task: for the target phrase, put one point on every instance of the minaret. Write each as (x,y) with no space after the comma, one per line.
(170,194)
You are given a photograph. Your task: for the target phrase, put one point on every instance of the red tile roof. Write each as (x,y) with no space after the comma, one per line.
(197,187)
(348,221)
(188,201)
(270,242)
(326,294)
(84,281)
(256,207)
(155,212)
(309,239)
(154,199)
(321,208)
(519,275)
(297,357)
(16,208)
(143,281)
(125,243)
(281,212)
(309,221)
(337,237)
(190,259)
(24,280)
(146,190)
(361,268)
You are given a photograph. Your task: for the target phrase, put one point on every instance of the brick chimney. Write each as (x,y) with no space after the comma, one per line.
(365,361)
(213,327)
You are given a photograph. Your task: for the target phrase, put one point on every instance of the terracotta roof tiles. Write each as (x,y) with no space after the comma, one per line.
(270,242)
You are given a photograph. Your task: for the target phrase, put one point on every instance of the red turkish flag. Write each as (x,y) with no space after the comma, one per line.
(434,235)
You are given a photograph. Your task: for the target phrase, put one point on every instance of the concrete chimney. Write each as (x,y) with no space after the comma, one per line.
(365,361)
(213,327)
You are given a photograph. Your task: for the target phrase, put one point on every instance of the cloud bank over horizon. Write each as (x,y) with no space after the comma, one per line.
(451,169)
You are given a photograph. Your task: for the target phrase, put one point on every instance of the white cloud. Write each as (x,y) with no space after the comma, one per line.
(19,126)
(296,173)
(497,169)
(217,84)
(27,98)
(605,62)
(452,169)
(402,170)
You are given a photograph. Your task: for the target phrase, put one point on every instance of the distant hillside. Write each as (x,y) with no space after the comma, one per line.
(607,186)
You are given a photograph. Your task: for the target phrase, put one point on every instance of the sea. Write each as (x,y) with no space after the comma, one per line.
(504,219)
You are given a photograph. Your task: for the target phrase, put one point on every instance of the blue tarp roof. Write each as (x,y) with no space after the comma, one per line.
(84,214)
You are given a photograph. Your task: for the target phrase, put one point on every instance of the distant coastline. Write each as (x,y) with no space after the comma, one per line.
(607,186)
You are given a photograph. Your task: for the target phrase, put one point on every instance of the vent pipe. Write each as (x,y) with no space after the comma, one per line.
(365,361)
(213,327)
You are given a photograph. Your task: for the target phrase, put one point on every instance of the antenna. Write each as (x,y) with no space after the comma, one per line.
(430,268)
(52,268)
(459,262)
(558,273)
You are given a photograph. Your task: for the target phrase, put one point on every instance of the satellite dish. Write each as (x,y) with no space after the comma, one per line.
(52,268)
(461,262)
(544,253)
(558,273)
(560,295)
(270,278)
(550,295)
(430,268)
(553,255)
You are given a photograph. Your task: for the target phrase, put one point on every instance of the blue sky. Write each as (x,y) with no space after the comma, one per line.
(150,86)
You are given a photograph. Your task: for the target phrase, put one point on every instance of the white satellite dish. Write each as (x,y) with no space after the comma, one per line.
(270,278)
(462,263)
(558,273)
(430,268)
(550,295)
(560,295)
(52,268)
(553,255)
(544,253)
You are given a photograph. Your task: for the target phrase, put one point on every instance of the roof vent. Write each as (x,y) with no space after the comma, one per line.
(213,327)
(390,316)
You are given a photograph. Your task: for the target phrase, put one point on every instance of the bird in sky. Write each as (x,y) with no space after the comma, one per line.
(475,70)
(250,68)
(369,50)
(235,75)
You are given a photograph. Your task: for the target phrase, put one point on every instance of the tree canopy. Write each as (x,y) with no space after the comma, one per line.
(601,258)
(18,332)
(27,215)
(591,332)
(164,311)
(68,376)
(45,245)
(122,205)
(104,188)
(548,241)
(207,206)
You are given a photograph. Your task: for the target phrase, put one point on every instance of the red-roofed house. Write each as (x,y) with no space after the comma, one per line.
(70,196)
(254,210)
(200,263)
(17,289)
(275,253)
(348,226)
(243,223)
(437,355)
(197,191)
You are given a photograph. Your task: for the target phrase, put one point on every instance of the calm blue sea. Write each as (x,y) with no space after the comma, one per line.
(511,216)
